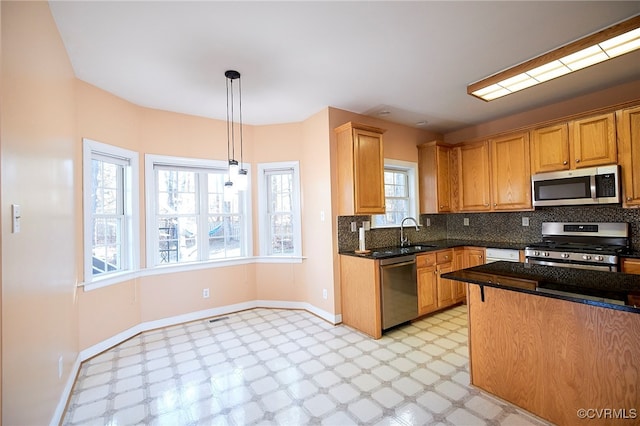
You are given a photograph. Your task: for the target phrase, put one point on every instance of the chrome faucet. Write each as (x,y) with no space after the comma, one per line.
(404,241)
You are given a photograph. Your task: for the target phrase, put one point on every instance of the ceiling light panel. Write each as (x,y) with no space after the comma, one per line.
(608,43)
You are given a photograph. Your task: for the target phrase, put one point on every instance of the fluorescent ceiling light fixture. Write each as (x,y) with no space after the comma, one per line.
(621,38)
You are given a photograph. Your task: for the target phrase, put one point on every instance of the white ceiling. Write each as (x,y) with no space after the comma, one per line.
(413,59)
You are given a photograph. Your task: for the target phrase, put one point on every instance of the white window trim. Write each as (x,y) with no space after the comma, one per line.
(132,207)
(412,169)
(263,226)
(150,195)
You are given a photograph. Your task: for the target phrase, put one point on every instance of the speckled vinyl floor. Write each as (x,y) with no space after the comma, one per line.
(288,367)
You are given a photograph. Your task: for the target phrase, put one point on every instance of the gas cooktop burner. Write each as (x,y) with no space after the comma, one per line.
(585,245)
(579,247)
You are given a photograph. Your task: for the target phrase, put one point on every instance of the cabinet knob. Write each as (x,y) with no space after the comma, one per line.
(628,198)
(435,272)
(446,257)
(564,162)
(480,256)
(577,160)
(486,205)
(440,206)
(495,204)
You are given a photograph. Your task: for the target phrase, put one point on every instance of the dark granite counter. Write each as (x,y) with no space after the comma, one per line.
(426,246)
(613,290)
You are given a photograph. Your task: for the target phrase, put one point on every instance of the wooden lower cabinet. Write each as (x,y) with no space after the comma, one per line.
(360,293)
(553,357)
(631,265)
(435,292)
(427,290)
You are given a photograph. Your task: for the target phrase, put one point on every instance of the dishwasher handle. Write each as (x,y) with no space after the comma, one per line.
(398,261)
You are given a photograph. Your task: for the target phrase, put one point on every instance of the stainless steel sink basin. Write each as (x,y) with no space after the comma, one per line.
(397,251)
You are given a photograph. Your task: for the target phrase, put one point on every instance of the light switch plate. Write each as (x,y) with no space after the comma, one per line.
(465,221)
(367,225)
(354,226)
(15,214)
(525,221)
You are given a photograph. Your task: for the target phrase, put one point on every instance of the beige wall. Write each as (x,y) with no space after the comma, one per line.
(38,264)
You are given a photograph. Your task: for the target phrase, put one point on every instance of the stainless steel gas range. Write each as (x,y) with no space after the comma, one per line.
(589,245)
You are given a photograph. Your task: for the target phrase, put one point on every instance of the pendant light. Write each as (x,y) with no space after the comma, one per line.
(237,174)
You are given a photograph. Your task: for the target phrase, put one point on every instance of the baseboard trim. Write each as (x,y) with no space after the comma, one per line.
(100,347)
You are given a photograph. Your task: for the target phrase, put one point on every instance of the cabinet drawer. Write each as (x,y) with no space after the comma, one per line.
(423,260)
(444,256)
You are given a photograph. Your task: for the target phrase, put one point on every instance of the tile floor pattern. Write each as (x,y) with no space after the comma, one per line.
(288,367)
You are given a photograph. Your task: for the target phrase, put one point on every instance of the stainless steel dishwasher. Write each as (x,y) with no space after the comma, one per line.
(399,294)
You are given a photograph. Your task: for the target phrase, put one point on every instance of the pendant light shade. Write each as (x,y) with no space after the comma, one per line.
(237,174)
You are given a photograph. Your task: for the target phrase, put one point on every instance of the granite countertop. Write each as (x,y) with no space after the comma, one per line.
(427,246)
(613,290)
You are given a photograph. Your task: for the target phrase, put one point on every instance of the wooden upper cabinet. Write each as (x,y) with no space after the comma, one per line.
(550,149)
(360,169)
(629,145)
(473,177)
(592,141)
(434,169)
(511,172)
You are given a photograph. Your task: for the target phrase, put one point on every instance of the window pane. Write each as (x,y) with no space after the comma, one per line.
(280,212)
(177,239)
(106,245)
(177,192)
(105,187)
(281,233)
(396,190)
(225,235)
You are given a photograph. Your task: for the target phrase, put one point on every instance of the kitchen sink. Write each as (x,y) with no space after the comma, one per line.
(397,251)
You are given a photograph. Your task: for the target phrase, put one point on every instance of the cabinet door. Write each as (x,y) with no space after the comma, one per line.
(593,141)
(631,266)
(443,157)
(474,257)
(473,169)
(629,138)
(368,172)
(511,172)
(446,289)
(427,290)
(550,149)
(434,164)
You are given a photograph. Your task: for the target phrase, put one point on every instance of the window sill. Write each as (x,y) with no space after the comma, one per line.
(175,268)
(110,280)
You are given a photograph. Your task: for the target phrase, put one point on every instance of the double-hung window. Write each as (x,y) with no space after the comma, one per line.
(110,197)
(400,193)
(279,197)
(190,216)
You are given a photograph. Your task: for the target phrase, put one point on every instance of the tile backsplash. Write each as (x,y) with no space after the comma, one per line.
(498,227)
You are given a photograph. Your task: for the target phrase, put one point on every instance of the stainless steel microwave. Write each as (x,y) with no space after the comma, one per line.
(595,185)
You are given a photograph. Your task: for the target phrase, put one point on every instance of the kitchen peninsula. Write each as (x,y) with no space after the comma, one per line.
(556,341)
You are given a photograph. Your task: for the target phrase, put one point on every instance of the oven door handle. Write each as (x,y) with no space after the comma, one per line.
(592,181)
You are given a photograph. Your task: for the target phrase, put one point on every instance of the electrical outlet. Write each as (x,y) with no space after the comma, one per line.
(324,293)
(525,221)
(465,221)
(354,227)
(205,293)
(428,222)
(366,225)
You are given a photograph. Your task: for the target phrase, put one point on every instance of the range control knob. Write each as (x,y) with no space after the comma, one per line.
(599,258)
(565,255)
(536,253)
(545,254)
(586,257)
